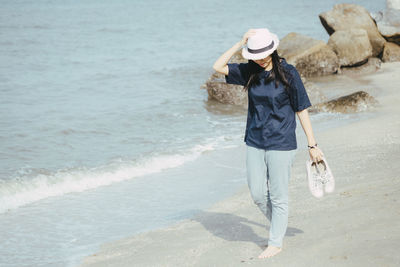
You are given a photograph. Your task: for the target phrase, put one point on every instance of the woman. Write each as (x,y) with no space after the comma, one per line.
(275,94)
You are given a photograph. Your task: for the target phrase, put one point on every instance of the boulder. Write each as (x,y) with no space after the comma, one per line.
(355,102)
(225,93)
(351,46)
(391,52)
(388,21)
(346,16)
(311,57)
(372,65)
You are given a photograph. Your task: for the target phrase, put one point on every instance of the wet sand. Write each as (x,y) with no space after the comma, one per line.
(357,225)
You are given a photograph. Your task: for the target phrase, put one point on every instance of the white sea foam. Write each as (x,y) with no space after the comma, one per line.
(18,192)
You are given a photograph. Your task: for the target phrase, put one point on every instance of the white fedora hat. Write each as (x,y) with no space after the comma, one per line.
(262,44)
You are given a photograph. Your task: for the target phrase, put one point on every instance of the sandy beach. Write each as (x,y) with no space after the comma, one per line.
(357,225)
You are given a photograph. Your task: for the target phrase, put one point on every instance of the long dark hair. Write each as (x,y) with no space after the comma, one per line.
(277,75)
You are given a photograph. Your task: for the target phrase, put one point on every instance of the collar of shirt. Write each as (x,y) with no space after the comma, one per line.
(265,73)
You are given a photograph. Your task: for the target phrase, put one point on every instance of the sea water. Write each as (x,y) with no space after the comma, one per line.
(98,96)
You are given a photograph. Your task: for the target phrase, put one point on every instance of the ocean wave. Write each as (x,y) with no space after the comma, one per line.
(24,190)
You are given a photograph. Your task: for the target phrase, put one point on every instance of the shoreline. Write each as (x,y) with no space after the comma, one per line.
(362,156)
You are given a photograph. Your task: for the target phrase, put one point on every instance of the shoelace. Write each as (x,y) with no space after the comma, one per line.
(325,177)
(317,181)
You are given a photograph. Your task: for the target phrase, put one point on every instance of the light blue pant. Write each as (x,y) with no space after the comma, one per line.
(268,174)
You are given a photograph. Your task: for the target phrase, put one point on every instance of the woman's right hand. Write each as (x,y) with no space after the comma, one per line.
(246,36)
(220,65)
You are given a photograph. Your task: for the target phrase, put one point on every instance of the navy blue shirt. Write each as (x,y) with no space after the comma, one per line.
(271,121)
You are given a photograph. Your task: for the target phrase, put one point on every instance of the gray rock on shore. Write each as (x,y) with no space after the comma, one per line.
(372,65)
(225,93)
(311,57)
(346,16)
(355,102)
(352,46)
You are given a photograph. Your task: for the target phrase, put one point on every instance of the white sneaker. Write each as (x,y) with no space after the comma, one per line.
(327,176)
(314,179)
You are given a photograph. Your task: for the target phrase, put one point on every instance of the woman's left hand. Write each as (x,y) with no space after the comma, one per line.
(316,154)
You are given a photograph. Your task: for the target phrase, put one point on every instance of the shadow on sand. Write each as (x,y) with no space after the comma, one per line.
(235,228)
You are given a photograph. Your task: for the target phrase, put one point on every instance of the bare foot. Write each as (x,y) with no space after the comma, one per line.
(269,252)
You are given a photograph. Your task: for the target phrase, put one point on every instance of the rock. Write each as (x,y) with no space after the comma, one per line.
(311,57)
(225,93)
(391,52)
(388,22)
(351,46)
(355,102)
(346,16)
(372,65)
